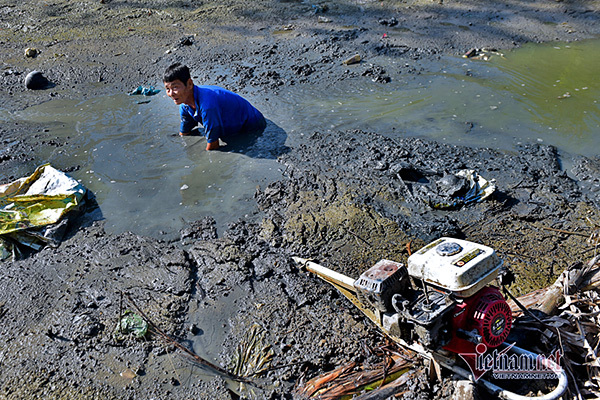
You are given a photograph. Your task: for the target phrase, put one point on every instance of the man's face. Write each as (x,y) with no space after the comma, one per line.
(179,92)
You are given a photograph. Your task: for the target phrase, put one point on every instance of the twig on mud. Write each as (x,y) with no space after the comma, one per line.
(190,353)
(316,384)
(518,185)
(276,367)
(510,253)
(359,237)
(120,312)
(586,251)
(353,378)
(389,390)
(564,231)
(171,362)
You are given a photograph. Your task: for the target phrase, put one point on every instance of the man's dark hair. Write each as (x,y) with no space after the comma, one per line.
(175,72)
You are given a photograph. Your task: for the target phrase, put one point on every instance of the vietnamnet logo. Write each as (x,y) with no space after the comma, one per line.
(505,365)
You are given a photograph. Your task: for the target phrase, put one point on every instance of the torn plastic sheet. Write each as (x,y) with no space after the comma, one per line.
(480,188)
(456,190)
(33,209)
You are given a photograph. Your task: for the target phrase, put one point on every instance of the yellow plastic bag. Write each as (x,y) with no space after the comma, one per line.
(33,202)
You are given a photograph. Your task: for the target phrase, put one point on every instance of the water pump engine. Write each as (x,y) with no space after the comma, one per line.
(443,299)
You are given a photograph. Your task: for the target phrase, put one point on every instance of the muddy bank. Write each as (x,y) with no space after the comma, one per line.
(361,196)
(100,47)
(347,198)
(60,309)
(346,203)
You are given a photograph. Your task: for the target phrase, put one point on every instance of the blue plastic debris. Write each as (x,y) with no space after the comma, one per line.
(149,91)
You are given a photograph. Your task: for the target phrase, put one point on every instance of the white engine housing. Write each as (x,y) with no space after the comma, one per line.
(459,266)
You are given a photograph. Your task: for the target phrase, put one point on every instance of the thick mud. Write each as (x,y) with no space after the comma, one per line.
(346,200)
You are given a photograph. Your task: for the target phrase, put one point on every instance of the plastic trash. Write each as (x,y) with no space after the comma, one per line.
(131,324)
(480,188)
(355,59)
(32,209)
(149,91)
(456,190)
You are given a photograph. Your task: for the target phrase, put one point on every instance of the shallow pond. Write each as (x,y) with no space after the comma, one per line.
(150,181)
(539,93)
(146,178)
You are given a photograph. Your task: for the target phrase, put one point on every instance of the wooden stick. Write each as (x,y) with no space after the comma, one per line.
(563,231)
(189,352)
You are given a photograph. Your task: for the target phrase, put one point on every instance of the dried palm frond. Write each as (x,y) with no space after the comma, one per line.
(252,356)
(352,379)
(570,322)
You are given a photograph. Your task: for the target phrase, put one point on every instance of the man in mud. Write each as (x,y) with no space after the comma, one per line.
(222,113)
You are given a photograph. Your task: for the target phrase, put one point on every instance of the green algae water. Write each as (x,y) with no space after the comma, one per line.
(539,93)
(546,93)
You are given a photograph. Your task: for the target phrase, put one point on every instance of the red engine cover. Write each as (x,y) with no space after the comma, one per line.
(488,314)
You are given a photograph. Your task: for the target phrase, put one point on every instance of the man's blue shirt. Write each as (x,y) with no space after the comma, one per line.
(221,112)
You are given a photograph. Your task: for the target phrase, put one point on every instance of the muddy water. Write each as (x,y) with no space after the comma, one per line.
(149,180)
(539,93)
(145,177)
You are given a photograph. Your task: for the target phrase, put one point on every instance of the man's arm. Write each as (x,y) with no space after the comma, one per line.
(187,123)
(213,125)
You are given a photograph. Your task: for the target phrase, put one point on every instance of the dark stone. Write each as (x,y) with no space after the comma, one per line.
(187,41)
(35,80)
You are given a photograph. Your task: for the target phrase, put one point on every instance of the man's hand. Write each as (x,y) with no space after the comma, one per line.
(213,146)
